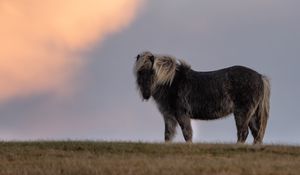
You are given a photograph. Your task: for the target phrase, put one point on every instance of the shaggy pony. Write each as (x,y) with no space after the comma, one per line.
(182,94)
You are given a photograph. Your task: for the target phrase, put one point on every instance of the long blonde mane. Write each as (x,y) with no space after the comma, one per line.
(165,69)
(163,66)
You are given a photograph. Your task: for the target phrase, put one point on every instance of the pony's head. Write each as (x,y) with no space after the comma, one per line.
(152,70)
(144,73)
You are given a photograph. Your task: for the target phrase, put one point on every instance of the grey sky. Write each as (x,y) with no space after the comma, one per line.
(261,34)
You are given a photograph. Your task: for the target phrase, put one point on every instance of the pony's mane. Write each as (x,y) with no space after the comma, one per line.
(164,66)
(184,64)
(165,69)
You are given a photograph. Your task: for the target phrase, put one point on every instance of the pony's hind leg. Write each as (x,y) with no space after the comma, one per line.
(186,127)
(242,119)
(170,127)
(255,126)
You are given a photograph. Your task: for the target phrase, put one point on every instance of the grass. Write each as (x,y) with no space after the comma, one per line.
(86,157)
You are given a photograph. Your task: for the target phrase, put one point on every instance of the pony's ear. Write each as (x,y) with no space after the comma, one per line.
(152,59)
(165,69)
(138,57)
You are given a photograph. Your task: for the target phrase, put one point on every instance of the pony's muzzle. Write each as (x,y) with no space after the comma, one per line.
(146,95)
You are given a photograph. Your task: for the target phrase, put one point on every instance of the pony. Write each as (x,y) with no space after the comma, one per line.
(182,94)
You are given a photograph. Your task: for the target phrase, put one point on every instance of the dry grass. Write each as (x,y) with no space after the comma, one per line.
(90,158)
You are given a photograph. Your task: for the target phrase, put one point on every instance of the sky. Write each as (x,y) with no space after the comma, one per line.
(66,67)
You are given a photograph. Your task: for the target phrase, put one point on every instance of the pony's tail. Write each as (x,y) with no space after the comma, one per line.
(263,109)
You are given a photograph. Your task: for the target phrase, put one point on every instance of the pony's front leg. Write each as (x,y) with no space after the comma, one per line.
(186,127)
(170,127)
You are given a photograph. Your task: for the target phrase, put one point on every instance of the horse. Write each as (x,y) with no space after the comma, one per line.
(182,94)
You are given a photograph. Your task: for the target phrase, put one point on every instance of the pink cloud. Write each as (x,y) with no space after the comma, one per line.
(39,40)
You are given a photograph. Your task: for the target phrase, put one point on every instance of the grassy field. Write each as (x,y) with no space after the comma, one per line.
(70,157)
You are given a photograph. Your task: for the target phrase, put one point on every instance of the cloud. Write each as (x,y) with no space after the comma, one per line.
(41,40)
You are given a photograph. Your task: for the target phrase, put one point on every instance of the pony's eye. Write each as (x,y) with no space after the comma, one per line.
(137,57)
